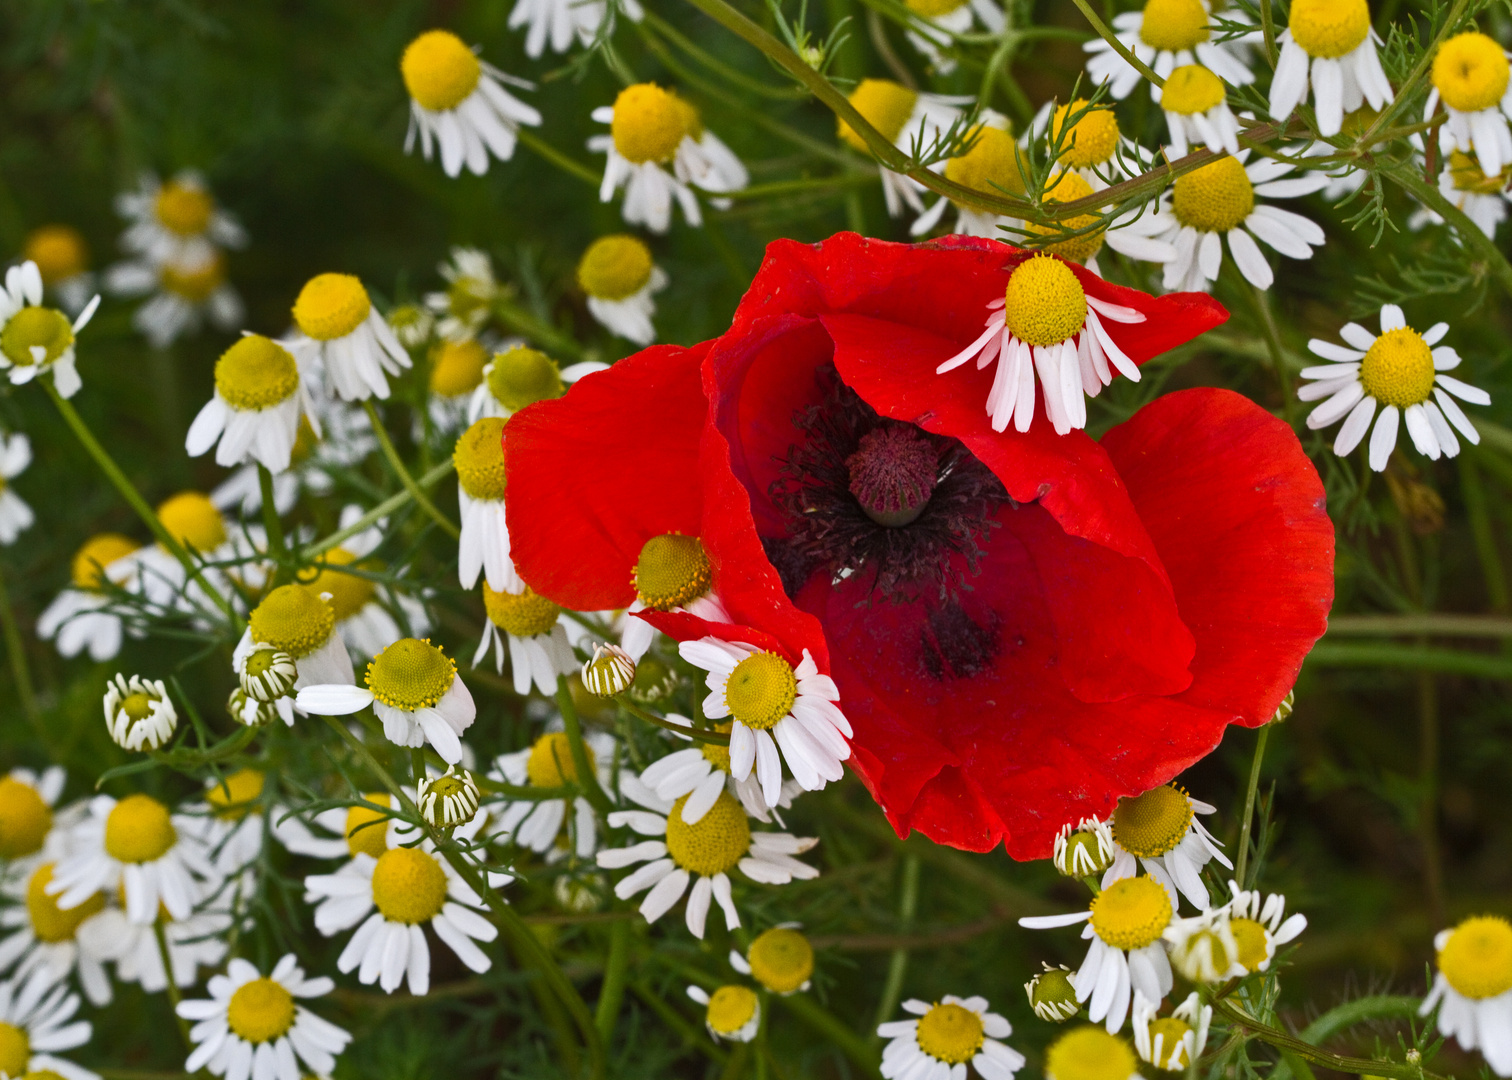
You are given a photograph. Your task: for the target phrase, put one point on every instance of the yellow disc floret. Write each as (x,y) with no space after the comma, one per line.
(1153,823)
(256,373)
(1477,958)
(1092,139)
(235,794)
(59,252)
(615,267)
(521,376)
(24,819)
(349,593)
(194,283)
(524,614)
(781,960)
(15,1049)
(1398,368)
(1191,90)
(411,674)
(883,104)
(761,690)
(1470,72)
(1171,1033)
(718,841)
(331,306)
(1174,25)
(1131,913)
(409,886)
(731,1008)
(98,552)
(648,123)
(1253,941)
(672,570)
(439,70)
(184,209)
(292,618)
(1044,303)
(139,829)
(456,367)
(36,335)
(366,829)
(991,166)
(479,458)
(550,762)
(1215,198)
(950,1033)
(1068,187)
(192,519)
(1089,1053)
(1329,28)
(50,923)
(260,1011)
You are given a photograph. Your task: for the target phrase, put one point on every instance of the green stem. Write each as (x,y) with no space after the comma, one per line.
(1342,1017)
(538,330)
(1414,77)
(397,464)
(15,649)
(556,157)
(271,523)
(1277,354)
(587,777)
(1249,807)
(1473,492)
(1268,31)
(1290,1043)
(1428,783)
(174,997)
(897,963)
(377,513)
(1405,176)
(718,738)
(825,1023)
(1104,32)
(612,992)
(1411,658)
(1433,624)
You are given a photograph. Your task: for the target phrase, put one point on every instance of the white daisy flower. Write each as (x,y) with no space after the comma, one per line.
(1159,830)
(295,620)
(1124,925)
(1165,35)
(464,309)
(1171,1043)
(26,815)
(1470,76)
(82,615)
(193,943)
(15,515)
(33,338)
(365,827)
(252,1026)
(42,936)
(255,411)
(702,771)
(1467,188)
(618,277)
(909,120)
(780,959)
(362,619)
(771,704)
(183,297)
(561,22)
(177,223)
(1203,947)
(232,825)
(731,1013)
(410,888)
(139,713)
(412,324)
(991,167)
(36,1023)
(62,257)
(518,376)
(704,854)
(459,102)
(456,372)
(947,1034)
(1260,926)
(537,639)
(609,672)
(650,129)
(484,544)
(1051,995)
(672,573)
(1401,372)
(1329,47)
(1085,850)
(448,800)
(537,824)
(341,332)
(414,689)
(1195,103)
(1092,146)
(1473,988)
(1090,1053)
(939,21)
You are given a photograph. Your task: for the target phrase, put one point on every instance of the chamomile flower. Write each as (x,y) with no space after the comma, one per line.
(298,622)
(780,959)
(393,896)
(1165,35)
(1260,925)
(1203,947)
(62,257)
(1473,988)
(36,339)
(1090,1053)
(176,223)
(1401,373)
(464,308)
(650,129)
(1328,46)
(618,277)
(456,372)
(1047,323)
(346,439)
(252,1025)
(181,297)
(36,1023)
(1465,185)
(1124,925)
(1051,995)
(991,167)
(1159,830)
(702,771)
(537,640)
(448,800)
(232,817)
(459,102)
(538,824)
(255,411)
(1218,201)
(193,943)
(939,21)
(138,712)
(158,575)
(342,832)
(771,705)
(518,376)
(703,855)
(1171,1043)
(1086,850)
(341,332)
(1470,76)
(1195,103)
(904,117)
(26,814)
(81,616)
(609,672)
(412,324)
(1090,142)
(362,620)
(484,544)
(41,935)
(15,515)
(414,689)
(947,1034)
(731,1013)
(672,573)
(562,22)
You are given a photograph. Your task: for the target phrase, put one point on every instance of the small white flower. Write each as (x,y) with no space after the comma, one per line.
(448,800)
(43,936)
(938,22)
(1165,35)
(911,121)
(341,334)
(1051,995)
(1171,1043)
(183,296)
(1470,76)
(37,1022)
(1473,988)
(1160,830)
(534,627)
(255,411)
(618,277)
(1260,925)
(702,771)
(459,102)
(780,959)
(538,824)
(518,376)
(1463,183)
(611,671)
(177,223)
(33,338)
(139,713)
(1203,947)
(82,616)
(1330,47)
(296,621)
(1195,103)
(62,256)
(1088,849)
(193,943)
(561,22)
(947,1034)
(484,545)
(732,1013)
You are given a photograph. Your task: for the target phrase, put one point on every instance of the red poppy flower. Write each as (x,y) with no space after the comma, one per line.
(1022,626)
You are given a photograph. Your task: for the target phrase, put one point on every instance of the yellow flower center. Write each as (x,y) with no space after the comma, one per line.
(31,328)
(15,1049)
(1131,913)
(1089,1053)
(59,252)
(479,458)
(439,70)
(1466,172)
(256,373)
(367,829)
(715,754)
(1251,938)
(1153,823)
(192,519)
(50,923)
(521,376)
(933,9)
(781,960)
(184,209)
(409,886)
(349,593)
(139,830)
(731,1008)
(1174,25)
(1329,28)
(260,1011)
(883,104)
(1470,72)
(1191,90)
(456,367)
(716,843)
(1477,958)
(672,570)
(234,795)
(550,763)
(1398,368)
(950,1033)
(1068,187)
(1092,139)
(523,615)
(761,690)
(292,618)
(24,819)
(1215,198)
(1173,1051)
(411,674)
(991,165)
(615,267)
(648,123)
(98,552)
(331,306)
(196,284)
(139,705)
(1044,303)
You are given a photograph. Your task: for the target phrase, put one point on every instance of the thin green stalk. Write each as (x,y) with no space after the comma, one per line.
(538,330)
(1433,624)
(15,650)
(666,30)
(1268,32)
(587,777)
(1473,492)
(1277,354)
(1104,32)
(174,997)
(1249,807)
(1282,1041)
(827,1024)
(1345,1016)
(556,157)
(897,964)
(718,738)
(377,513)
(1428,783)
(1411,658)
(271,523)
(612,991)
(397,464)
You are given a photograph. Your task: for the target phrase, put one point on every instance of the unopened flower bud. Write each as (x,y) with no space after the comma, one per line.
(138,712)
(1051,995)
(1285,708)
(267,673)
(248,711)
(449,799)
(610,672)
(1084,851)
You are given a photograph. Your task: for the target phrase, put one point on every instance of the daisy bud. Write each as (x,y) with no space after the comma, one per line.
(449,799)
(1051,995)
(138,714)
(268,673)
(610,672)
(1203,947)
(1284,710)
(1084,851)
(248,711)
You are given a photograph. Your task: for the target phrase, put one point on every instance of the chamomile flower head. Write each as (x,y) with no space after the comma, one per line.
(937,22)
(1400,372)
(1472,990)
(176,223)
(1159,830)
(413,689)
(367,826)
(1051,995)
(456,372)
(517,376)
(459,104)
(1047,323)
(532,627)
(1090,1053)
(181,296)
(484,544)
(611,671)
(412,324)
(35,339)
(1466,186)
(296,621)
(1195,102)
(62,257)
(671,573)
(702,771)
(448,800)
(947,1035)
(41,935)
(1085,850)
(82,616)
(268,673)
(780,959)
(159,576)
(1260,926)
(619,279)
(1171,1043)
(552,826)
(37,1022)
(26,813)
(777,713)
(1124,925)
(1470,76)
(561,23)
(139,713)
(1203,947)
(991,166)
(903,117)
(1329,48)
(16,515)
(232,819)
(255,411)
(252,1026)
(731,1013)
(342,333)
(703,854)
(1165,35)
(466,305)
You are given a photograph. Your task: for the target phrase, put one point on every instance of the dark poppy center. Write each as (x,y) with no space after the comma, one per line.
(893,474)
